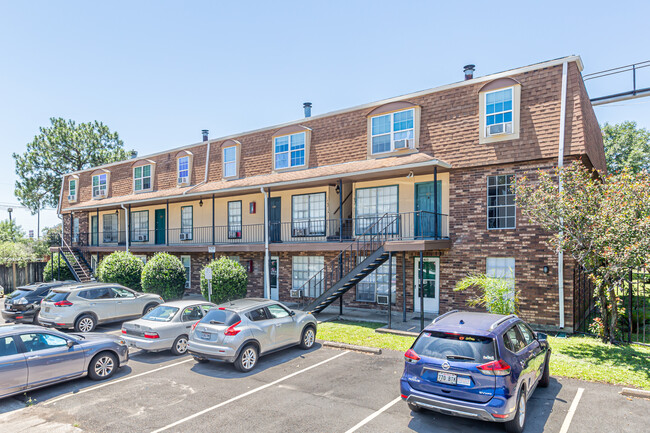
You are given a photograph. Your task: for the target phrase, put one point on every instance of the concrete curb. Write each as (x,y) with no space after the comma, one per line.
(364,349)
(631,392)
(397,332)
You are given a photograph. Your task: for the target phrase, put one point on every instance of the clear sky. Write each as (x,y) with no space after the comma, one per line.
(158,72)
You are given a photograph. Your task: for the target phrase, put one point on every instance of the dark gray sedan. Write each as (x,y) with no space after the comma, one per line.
(33,357)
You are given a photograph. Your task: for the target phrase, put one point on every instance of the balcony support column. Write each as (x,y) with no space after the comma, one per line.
(390,289)
(166,223)
(421,290)
(436,211)
(340,211)
(213,238)
(267,275)
(126,220)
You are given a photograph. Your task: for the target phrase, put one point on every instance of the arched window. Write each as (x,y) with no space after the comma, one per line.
(393,128)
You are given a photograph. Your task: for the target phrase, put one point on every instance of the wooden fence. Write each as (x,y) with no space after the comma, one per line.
(16,276)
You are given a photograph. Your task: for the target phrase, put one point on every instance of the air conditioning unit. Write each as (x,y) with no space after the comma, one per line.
(182,180)
(382,299)
(300,232)
(142,238)
(101,193)
(295,293)
(184,236)
(72,198)
(500,128)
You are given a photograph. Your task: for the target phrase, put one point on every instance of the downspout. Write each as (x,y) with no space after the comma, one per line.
(267,276)
(126,218)
(205,178)
(560,164)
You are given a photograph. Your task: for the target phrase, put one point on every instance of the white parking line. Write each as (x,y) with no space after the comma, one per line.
(246,394)
(373,416)
(572,410)
(63,397)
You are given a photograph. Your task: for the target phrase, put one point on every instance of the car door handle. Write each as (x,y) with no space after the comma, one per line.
(33,357)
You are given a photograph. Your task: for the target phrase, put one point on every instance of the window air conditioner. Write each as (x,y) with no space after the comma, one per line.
(71,198)
(184,236)
(101,193)
(142,238)
(382,299)
(296,293)
(499,128)
(300,232)
(182,180)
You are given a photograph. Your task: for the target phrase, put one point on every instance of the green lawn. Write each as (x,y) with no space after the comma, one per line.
(575,357)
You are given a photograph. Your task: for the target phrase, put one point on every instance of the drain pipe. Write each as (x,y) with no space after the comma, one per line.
(560,164)
(267,276)
(126,218)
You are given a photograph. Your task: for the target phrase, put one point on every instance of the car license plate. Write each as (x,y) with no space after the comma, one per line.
(447,378)
(206,335)
(47,309)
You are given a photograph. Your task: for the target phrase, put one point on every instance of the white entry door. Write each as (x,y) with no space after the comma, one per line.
(431,285)
(274,270)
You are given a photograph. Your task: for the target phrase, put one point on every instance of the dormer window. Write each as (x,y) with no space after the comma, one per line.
(230,161)
(498,112)
(142,178)
(72,190)
(184,170)
(499,102)
(289,150)
(393,131)
(100,185)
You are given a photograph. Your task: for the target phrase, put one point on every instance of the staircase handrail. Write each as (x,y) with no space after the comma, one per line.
(69,250)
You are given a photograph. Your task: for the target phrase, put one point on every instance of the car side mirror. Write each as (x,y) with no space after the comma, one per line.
(541,336)
(292,313)
(70,343)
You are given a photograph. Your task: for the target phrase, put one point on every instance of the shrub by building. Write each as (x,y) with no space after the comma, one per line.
(164,275)
(57,269)
(229,280)
(122,268)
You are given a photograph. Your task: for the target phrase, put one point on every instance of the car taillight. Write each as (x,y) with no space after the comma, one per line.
(194,326)
(151,335)
(232,331)
(123,331)
(63,304)
(411,356)
(495,368)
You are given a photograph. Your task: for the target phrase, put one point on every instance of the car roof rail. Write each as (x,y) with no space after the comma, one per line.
(501,320)
(443,315)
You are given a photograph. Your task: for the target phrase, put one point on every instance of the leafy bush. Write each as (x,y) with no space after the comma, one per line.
(496,294)
(164,275)
(16,252)
(122,268)
(229,280)
(52,267)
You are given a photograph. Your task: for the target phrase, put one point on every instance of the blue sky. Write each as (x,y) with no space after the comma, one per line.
(158,72)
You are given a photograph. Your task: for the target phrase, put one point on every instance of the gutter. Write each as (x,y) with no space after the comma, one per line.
(560,164)
(205,179)
(267,275)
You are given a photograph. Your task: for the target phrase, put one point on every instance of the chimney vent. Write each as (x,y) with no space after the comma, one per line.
(205,134)
(469,71)
(134,154)
(307,107)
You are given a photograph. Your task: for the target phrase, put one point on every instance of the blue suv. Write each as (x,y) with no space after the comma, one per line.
(476,365)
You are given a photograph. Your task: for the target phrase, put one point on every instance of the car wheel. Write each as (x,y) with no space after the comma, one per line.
(102,366)
(148,308)
(85,323)
(308,338)
(517,424)
(414,407)
(200,360)
(546,379)
(180,345)
(247,359)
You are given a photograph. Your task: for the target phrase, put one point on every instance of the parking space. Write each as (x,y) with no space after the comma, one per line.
(317,390)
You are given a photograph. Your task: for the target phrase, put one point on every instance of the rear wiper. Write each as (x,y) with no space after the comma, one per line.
(469,358)
(215,322)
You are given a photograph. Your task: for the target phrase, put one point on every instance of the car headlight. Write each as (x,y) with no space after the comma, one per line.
(21,301)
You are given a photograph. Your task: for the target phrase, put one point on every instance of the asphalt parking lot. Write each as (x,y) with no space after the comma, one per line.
(320,390)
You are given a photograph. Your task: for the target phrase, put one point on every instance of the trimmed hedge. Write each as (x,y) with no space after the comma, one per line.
(164,275)
(229,280)
(122,268)
(51,270)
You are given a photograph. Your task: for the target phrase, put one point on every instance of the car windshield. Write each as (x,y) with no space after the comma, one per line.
(18,293)
(221,317)
(162,313)
(57,296)
(456,347)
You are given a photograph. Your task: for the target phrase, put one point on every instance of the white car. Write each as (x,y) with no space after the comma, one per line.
(84,306)
(165,327)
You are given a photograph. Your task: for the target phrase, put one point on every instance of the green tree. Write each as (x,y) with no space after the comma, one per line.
(164,275)
(122,268)
(495,294)
(56,269)
(603,224)
(58,149)
(11,232)
(51,236)
(16,252)
(626,146)
(229,280)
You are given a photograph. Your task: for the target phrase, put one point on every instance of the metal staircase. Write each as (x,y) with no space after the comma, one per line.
(77,264)
(355,262)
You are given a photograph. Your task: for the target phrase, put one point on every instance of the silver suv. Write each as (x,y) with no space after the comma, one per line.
(84,306)
(241,331)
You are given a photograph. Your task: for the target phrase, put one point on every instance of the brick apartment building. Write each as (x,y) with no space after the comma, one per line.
(414,190)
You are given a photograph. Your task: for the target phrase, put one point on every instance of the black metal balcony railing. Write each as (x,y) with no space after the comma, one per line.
(403,226)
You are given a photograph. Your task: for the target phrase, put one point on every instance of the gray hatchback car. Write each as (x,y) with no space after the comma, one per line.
(241,331)
(33,357)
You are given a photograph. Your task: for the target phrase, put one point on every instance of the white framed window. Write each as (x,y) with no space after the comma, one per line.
(501,267)
(187,222)
(308,215)
(501,208)
(72,190)
(100,185)
(393,131)
(109,228)
(234,220)
(303,269)
(230,161)
(289,150)
(75,229)
(372,204)
(187,264)
(377,283)
(140,226)
(94,260)
(498,112)
(142,178)
(184,169)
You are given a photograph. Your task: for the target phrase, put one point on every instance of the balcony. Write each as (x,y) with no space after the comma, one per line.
(409,226)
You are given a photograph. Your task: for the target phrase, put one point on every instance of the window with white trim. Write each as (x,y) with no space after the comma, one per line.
(72,190)
(377,283)
(75,229)
(498,112)
(372,204)
(501,267)
(303,269)
(109,224)
(184,169)
(187,264)
(230,161)
(100,185)
(501,208)
(140,226)
(289,150)
(308,215)
(187,222)
(142,178)
(393,131)
(234,220)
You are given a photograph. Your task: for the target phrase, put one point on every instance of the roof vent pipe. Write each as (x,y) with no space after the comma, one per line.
(134,154)
(307,107)
(205,134)
(469,71)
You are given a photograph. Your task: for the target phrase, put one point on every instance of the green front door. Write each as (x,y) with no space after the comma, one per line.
(94,230)
(428,221)
(160,226)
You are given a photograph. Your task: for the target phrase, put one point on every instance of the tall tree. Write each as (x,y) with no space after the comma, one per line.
(626,146)
(11,232)
(58,149)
